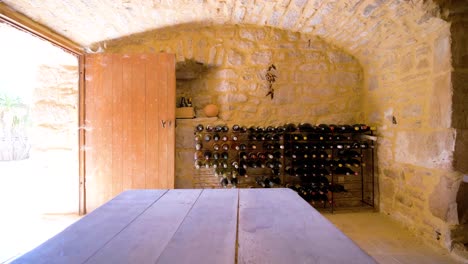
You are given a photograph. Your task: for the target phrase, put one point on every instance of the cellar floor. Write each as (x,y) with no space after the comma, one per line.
(387,241)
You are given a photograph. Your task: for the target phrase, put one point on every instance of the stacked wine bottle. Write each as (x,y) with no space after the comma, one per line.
(304,157)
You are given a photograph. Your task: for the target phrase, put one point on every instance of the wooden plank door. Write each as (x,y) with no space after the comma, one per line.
(130,124)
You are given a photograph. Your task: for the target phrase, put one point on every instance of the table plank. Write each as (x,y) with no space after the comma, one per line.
(145,238)
(82,239)
(208,233)
(277,226)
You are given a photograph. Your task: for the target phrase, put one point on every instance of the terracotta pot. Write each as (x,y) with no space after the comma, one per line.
(211,110)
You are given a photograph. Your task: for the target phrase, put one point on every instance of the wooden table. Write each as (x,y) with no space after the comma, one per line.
(201,226)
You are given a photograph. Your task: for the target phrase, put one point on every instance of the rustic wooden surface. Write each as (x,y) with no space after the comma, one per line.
(201,226)
(126,98)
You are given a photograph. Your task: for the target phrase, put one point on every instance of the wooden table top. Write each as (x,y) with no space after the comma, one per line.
(201,226)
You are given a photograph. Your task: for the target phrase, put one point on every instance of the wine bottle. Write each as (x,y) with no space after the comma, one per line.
(216,147)
(207,155)
(224,138)
(243,164)
(235,164)
(218,128)
(242,172)
(199,128)
(224,165)
(236,128)
(198,164)
(209,128)
(207,137)
(225,129)
(280,129)
(197,137)
(235,138)
(224,181)
(216,137)
(216,155)
(324,128)
(225,147)
(253,146)
(344,129)
(270,129)
(305,127)
(198,155)
(243,129)
(224,155)
(290,127)
(198,146)
(214,164)
(252,156)
(261,156)
(353,163)
(242,147)
(252,164)
(234,180)
(243,155)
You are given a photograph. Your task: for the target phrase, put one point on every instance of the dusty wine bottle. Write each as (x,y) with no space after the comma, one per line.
(207,137)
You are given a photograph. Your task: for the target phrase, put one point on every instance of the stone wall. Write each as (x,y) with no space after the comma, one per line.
(409,97)
(317,82)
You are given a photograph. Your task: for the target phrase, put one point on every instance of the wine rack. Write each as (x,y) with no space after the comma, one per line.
(330,166)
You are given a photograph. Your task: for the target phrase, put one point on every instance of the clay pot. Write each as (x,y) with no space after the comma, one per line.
(211,110)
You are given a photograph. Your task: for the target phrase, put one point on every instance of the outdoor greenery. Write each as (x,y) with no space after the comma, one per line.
(14,120)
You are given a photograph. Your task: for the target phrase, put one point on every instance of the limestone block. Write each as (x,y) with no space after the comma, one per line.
(232,98)
(387,188)
(442,53)
(225,86)
(307,77)
(430,149)
(394,173)
(344,78)
(225,74)
(261,57)
(235,58)
(404,199)
(442,196)
(441,102)
(314,67)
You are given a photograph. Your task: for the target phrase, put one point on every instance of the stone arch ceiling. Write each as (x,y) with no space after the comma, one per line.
(361,27)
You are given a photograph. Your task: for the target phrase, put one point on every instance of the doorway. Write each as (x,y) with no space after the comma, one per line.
(39,165)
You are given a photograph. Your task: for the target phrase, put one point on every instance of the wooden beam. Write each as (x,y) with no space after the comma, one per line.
(18,20)
(81,136)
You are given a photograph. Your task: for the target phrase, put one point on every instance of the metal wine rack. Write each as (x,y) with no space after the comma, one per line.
(330,168)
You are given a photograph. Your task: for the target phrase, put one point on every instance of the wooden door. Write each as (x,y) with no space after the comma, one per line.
(130,124)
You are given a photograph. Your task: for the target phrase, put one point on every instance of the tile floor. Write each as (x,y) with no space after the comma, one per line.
(387,241)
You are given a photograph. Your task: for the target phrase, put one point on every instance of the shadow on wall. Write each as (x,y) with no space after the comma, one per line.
(459,48)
